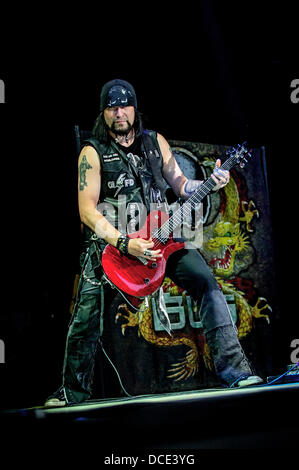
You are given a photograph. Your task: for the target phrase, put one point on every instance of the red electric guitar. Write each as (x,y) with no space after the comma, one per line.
(139,277)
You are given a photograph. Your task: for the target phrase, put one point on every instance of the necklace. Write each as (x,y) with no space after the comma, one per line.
(125,139)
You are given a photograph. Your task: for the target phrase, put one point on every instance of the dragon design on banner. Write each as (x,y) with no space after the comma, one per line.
(230,246)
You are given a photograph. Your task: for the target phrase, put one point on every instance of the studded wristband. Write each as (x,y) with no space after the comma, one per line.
(122,244)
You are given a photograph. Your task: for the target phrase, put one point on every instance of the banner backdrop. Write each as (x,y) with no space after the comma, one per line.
(237,246)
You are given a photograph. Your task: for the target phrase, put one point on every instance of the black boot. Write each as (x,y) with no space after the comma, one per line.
(231,364)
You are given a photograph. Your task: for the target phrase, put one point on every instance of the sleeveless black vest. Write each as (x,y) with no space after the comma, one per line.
(129,185)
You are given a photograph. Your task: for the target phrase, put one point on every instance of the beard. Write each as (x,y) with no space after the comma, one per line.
(124,130)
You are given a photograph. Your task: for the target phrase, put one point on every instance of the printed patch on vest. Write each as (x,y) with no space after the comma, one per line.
(135,160)
(113,157)
(120,183)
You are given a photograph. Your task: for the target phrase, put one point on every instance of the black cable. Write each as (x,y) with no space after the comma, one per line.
(279,377)
(115,370)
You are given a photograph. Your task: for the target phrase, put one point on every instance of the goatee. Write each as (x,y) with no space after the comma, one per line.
(121,132)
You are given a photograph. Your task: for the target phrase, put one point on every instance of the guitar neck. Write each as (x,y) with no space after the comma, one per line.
(207,186)
(176,219)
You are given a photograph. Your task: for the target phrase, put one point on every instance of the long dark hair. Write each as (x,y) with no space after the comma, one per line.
(100,128)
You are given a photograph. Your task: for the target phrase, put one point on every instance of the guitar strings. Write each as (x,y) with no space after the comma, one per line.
(168,226)
(163,232)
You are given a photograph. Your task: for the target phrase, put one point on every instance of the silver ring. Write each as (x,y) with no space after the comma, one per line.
(147,253)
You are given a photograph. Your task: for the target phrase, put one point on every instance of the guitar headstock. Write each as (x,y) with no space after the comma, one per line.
(239,155)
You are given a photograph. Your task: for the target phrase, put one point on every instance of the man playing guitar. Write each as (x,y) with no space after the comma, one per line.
(114,166)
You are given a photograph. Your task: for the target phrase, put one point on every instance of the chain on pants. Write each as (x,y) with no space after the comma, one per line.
(82,338)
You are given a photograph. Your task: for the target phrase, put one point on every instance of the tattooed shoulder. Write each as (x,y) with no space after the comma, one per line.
(83,167)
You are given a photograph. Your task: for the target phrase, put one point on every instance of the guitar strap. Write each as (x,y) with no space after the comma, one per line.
(153,154)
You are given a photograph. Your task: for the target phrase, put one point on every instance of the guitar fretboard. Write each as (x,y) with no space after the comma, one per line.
(162,233)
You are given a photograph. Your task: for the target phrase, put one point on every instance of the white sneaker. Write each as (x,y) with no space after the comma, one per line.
(56,399)
(251,380)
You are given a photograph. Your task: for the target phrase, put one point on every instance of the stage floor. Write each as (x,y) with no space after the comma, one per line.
(258,417)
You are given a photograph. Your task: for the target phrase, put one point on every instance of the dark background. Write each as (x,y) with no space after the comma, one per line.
(216,73)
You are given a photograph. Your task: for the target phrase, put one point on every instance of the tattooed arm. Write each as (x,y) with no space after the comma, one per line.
(89,187)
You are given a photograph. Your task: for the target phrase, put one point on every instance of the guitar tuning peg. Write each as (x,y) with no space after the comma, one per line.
(243,163)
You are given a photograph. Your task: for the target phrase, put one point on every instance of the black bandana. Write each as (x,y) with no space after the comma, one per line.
(117,93)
